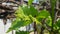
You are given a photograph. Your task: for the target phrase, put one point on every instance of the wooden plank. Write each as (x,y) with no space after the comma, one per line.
(1,27)
(7,26)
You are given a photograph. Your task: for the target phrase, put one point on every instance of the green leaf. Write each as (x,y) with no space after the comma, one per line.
(19,23)
(23,18)
(30,11)
(34,19)
(49,21)
(33,11)
(19,11)
(30,2)
(22,32)
(58,23)
(43,14)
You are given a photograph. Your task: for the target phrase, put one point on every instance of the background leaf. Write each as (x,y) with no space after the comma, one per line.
(30,2)
(43,14)
(30,11)
(22,32)
(58,23)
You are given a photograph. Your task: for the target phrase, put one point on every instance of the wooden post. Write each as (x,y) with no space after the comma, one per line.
(22,1)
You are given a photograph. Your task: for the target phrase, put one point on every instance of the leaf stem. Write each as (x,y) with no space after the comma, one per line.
(53,6)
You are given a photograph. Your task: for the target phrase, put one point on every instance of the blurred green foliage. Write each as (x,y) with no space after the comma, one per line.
(26,15)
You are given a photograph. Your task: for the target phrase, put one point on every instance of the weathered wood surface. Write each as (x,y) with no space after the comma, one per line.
(7,9)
